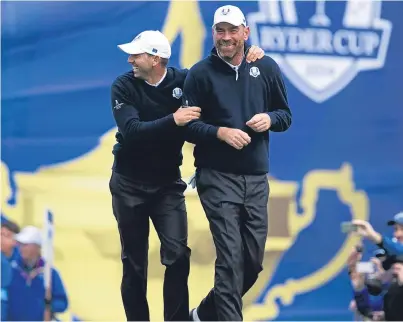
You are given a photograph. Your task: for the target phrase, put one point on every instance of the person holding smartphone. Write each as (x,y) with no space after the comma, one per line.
(393,246)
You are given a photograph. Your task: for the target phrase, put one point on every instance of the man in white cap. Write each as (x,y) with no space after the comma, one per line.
(146,180)
(27,294)
(240,101)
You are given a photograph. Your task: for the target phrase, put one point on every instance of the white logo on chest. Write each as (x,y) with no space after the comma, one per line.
(177,93)
(254,71)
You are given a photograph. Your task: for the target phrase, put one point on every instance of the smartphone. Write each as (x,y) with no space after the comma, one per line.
(348,227)
(365,267)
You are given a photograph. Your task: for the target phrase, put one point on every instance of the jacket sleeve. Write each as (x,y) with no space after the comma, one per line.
(196,131)
(279,111)
(391,247)
(59,297)
(127,117)
(6,274)
(363,302)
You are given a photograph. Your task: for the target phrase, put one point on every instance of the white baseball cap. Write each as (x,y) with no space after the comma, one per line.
(152,42)
(230,14)
(29,235)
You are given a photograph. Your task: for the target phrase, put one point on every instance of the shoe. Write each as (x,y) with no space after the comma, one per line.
(193,315)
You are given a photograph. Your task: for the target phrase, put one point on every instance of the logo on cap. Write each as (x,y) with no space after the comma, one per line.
(225,11)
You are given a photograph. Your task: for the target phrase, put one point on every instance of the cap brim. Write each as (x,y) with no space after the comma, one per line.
(24,240)
(131,48)
(379,253)
(136,49)
(234,23)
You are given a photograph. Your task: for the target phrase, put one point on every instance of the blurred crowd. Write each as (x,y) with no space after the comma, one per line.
(23,293)
(378,283)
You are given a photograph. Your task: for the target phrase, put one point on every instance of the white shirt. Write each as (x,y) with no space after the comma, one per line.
(160,81)
(234,67)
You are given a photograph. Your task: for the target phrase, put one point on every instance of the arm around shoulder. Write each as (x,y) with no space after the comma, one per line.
(193,95)
(127,116)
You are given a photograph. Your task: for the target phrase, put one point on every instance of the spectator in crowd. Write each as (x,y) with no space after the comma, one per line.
(8,252)
(8,243)
(393,301)
(27,300)
(387,284)
(366,305)
(392,246)
(5,284)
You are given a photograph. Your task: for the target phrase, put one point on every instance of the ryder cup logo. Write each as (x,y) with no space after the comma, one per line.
(321,46)
(225,11)
(254,71)
(177,93)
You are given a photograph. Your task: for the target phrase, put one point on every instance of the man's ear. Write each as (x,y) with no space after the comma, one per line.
(156,60)
(246,33)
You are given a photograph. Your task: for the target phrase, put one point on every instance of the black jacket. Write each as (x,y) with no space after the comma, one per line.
(149,141)
(230,98)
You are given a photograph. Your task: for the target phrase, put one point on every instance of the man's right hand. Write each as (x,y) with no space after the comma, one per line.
(353,259)
(365,229)
(184,115)
(234,137)
(357,281)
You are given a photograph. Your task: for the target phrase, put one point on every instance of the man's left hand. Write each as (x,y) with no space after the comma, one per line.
(254,53)
(260,122)
(378,316)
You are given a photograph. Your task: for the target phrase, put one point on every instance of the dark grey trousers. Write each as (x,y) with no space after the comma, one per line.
(134,204)
(236,208)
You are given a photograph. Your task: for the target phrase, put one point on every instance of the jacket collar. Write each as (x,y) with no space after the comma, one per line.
(216,59)
(20,262)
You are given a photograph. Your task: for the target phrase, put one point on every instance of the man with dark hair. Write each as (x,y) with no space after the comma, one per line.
(8,253)
(146,180)
(8,244)
(393,300)
(240,103)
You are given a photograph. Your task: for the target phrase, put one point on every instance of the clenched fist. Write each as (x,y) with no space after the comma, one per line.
(184,115)
(254,53)
(234,137)
(260,122)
